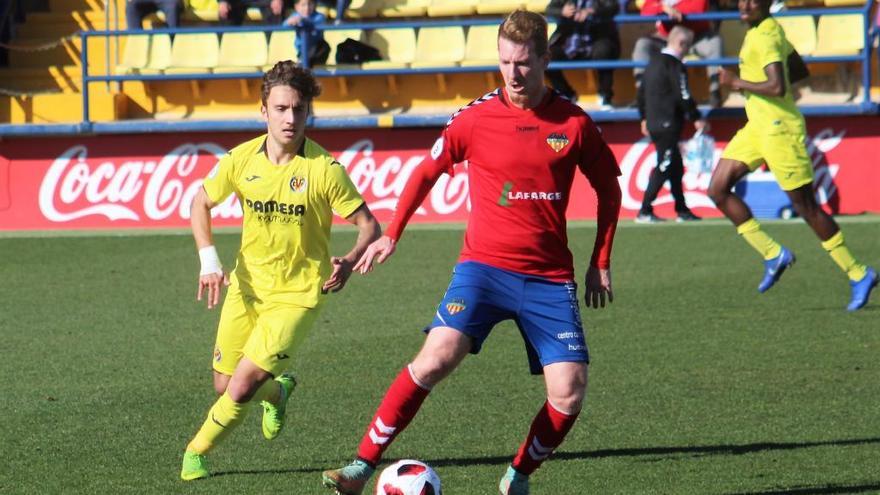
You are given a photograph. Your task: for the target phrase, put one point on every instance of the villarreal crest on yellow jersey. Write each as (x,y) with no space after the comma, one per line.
(288,211)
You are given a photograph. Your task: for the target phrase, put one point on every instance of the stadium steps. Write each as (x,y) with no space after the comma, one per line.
(61,24)
(42,52)
(53,79)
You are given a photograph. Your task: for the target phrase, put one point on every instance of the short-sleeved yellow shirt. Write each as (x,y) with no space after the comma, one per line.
(763,45)
(288,211)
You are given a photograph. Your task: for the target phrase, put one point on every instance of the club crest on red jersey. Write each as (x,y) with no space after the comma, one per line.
(298,184)
(557,141)
(455,306)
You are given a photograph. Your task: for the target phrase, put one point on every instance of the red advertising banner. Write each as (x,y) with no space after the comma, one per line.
(148,181)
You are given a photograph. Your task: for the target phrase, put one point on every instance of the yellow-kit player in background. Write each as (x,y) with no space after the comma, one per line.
(289,187)
(775,134)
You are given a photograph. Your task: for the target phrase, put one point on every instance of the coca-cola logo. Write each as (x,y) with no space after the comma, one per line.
(75,187)
(640,159)
(381,184)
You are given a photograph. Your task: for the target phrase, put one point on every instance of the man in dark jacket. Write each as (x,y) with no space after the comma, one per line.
(665,101)
(585,31)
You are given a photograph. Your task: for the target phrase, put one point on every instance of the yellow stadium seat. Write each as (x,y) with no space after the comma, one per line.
(397,46)
(281,47)
(193,53)
(446,8)
(360,9)
(404,8)
(160,54)
(242,52)
(439,47)
(536,6)
(840,35)
(732,34)
(336,36)
(481,47)
(135,55)
(500,7)
(800,31)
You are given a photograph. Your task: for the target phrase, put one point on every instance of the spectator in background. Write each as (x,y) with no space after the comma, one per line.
(707,41)
(136,10)
(305,18)
(340,5)
(585,31)
(234,12)
(664,103)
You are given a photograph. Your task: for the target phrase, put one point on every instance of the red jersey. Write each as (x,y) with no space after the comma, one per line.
(655,7)
(521,164)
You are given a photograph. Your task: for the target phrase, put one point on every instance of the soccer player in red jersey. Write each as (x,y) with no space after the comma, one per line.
(522,144)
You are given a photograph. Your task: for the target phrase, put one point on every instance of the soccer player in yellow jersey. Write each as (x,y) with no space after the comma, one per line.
(289,187)
(775,135)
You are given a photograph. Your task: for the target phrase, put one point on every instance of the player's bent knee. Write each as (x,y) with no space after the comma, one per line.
(221,381)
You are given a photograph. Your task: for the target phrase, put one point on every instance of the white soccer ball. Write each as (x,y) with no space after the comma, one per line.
(408,477)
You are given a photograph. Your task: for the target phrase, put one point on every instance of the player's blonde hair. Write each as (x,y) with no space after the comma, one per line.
(289,73)
(522,26)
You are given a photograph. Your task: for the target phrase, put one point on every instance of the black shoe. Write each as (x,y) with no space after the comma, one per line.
(687,216)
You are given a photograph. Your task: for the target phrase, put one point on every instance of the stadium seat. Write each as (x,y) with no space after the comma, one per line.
(334,37)
(281,47)
(800,31)
(500,7)
(135,55)
(481,47)
(397,46)
(160,54)
(193,53)
(844,3)
(404,8)
(536,6)
(732,34)
(439,47)
(242,52)
(360,9)
(447,8)
(840,35)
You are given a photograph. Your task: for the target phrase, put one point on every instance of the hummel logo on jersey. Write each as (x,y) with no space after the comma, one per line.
(557,141)
(383,434)
(253,178)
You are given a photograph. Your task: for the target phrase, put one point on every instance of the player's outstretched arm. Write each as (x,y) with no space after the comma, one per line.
(368,231)
(598,287)
(378,251)
(212,278)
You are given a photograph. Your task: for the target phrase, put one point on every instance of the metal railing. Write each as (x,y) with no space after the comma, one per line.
(864,106)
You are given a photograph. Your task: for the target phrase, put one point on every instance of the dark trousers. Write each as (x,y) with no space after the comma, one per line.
(238,11)
(136,10)
(603,49)
(670,167)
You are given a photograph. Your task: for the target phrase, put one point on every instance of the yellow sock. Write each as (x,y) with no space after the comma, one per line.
(758,239)
(270,390)
(224,415)
(844,259)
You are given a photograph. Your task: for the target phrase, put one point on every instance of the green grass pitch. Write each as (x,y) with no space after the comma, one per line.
(699,385)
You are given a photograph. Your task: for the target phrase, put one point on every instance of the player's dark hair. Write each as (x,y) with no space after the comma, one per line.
(289,73)
(521,26)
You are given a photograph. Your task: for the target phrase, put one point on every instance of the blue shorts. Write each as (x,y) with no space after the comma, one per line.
(546,312)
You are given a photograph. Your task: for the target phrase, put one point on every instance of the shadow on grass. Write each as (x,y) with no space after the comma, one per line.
(695,451)
(817,490)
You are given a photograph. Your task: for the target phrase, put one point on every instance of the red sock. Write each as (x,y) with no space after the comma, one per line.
(400,405)
(547,432)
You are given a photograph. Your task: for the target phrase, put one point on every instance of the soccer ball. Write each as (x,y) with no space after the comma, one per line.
(408,477)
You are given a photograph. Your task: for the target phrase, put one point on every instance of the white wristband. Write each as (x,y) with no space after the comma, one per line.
(210,261)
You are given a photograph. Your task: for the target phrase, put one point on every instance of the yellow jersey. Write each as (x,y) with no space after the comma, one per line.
(763,45)
(288,211)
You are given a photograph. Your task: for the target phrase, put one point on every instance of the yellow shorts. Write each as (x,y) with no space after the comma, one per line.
(267,333)
(782,148)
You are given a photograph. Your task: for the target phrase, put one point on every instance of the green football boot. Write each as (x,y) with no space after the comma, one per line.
(273,414)
(195,466)
(348,480)
(514,483)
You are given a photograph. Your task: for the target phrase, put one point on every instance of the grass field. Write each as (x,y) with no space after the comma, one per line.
(699,385)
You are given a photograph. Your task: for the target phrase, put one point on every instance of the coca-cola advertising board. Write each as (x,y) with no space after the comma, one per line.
(148,181)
